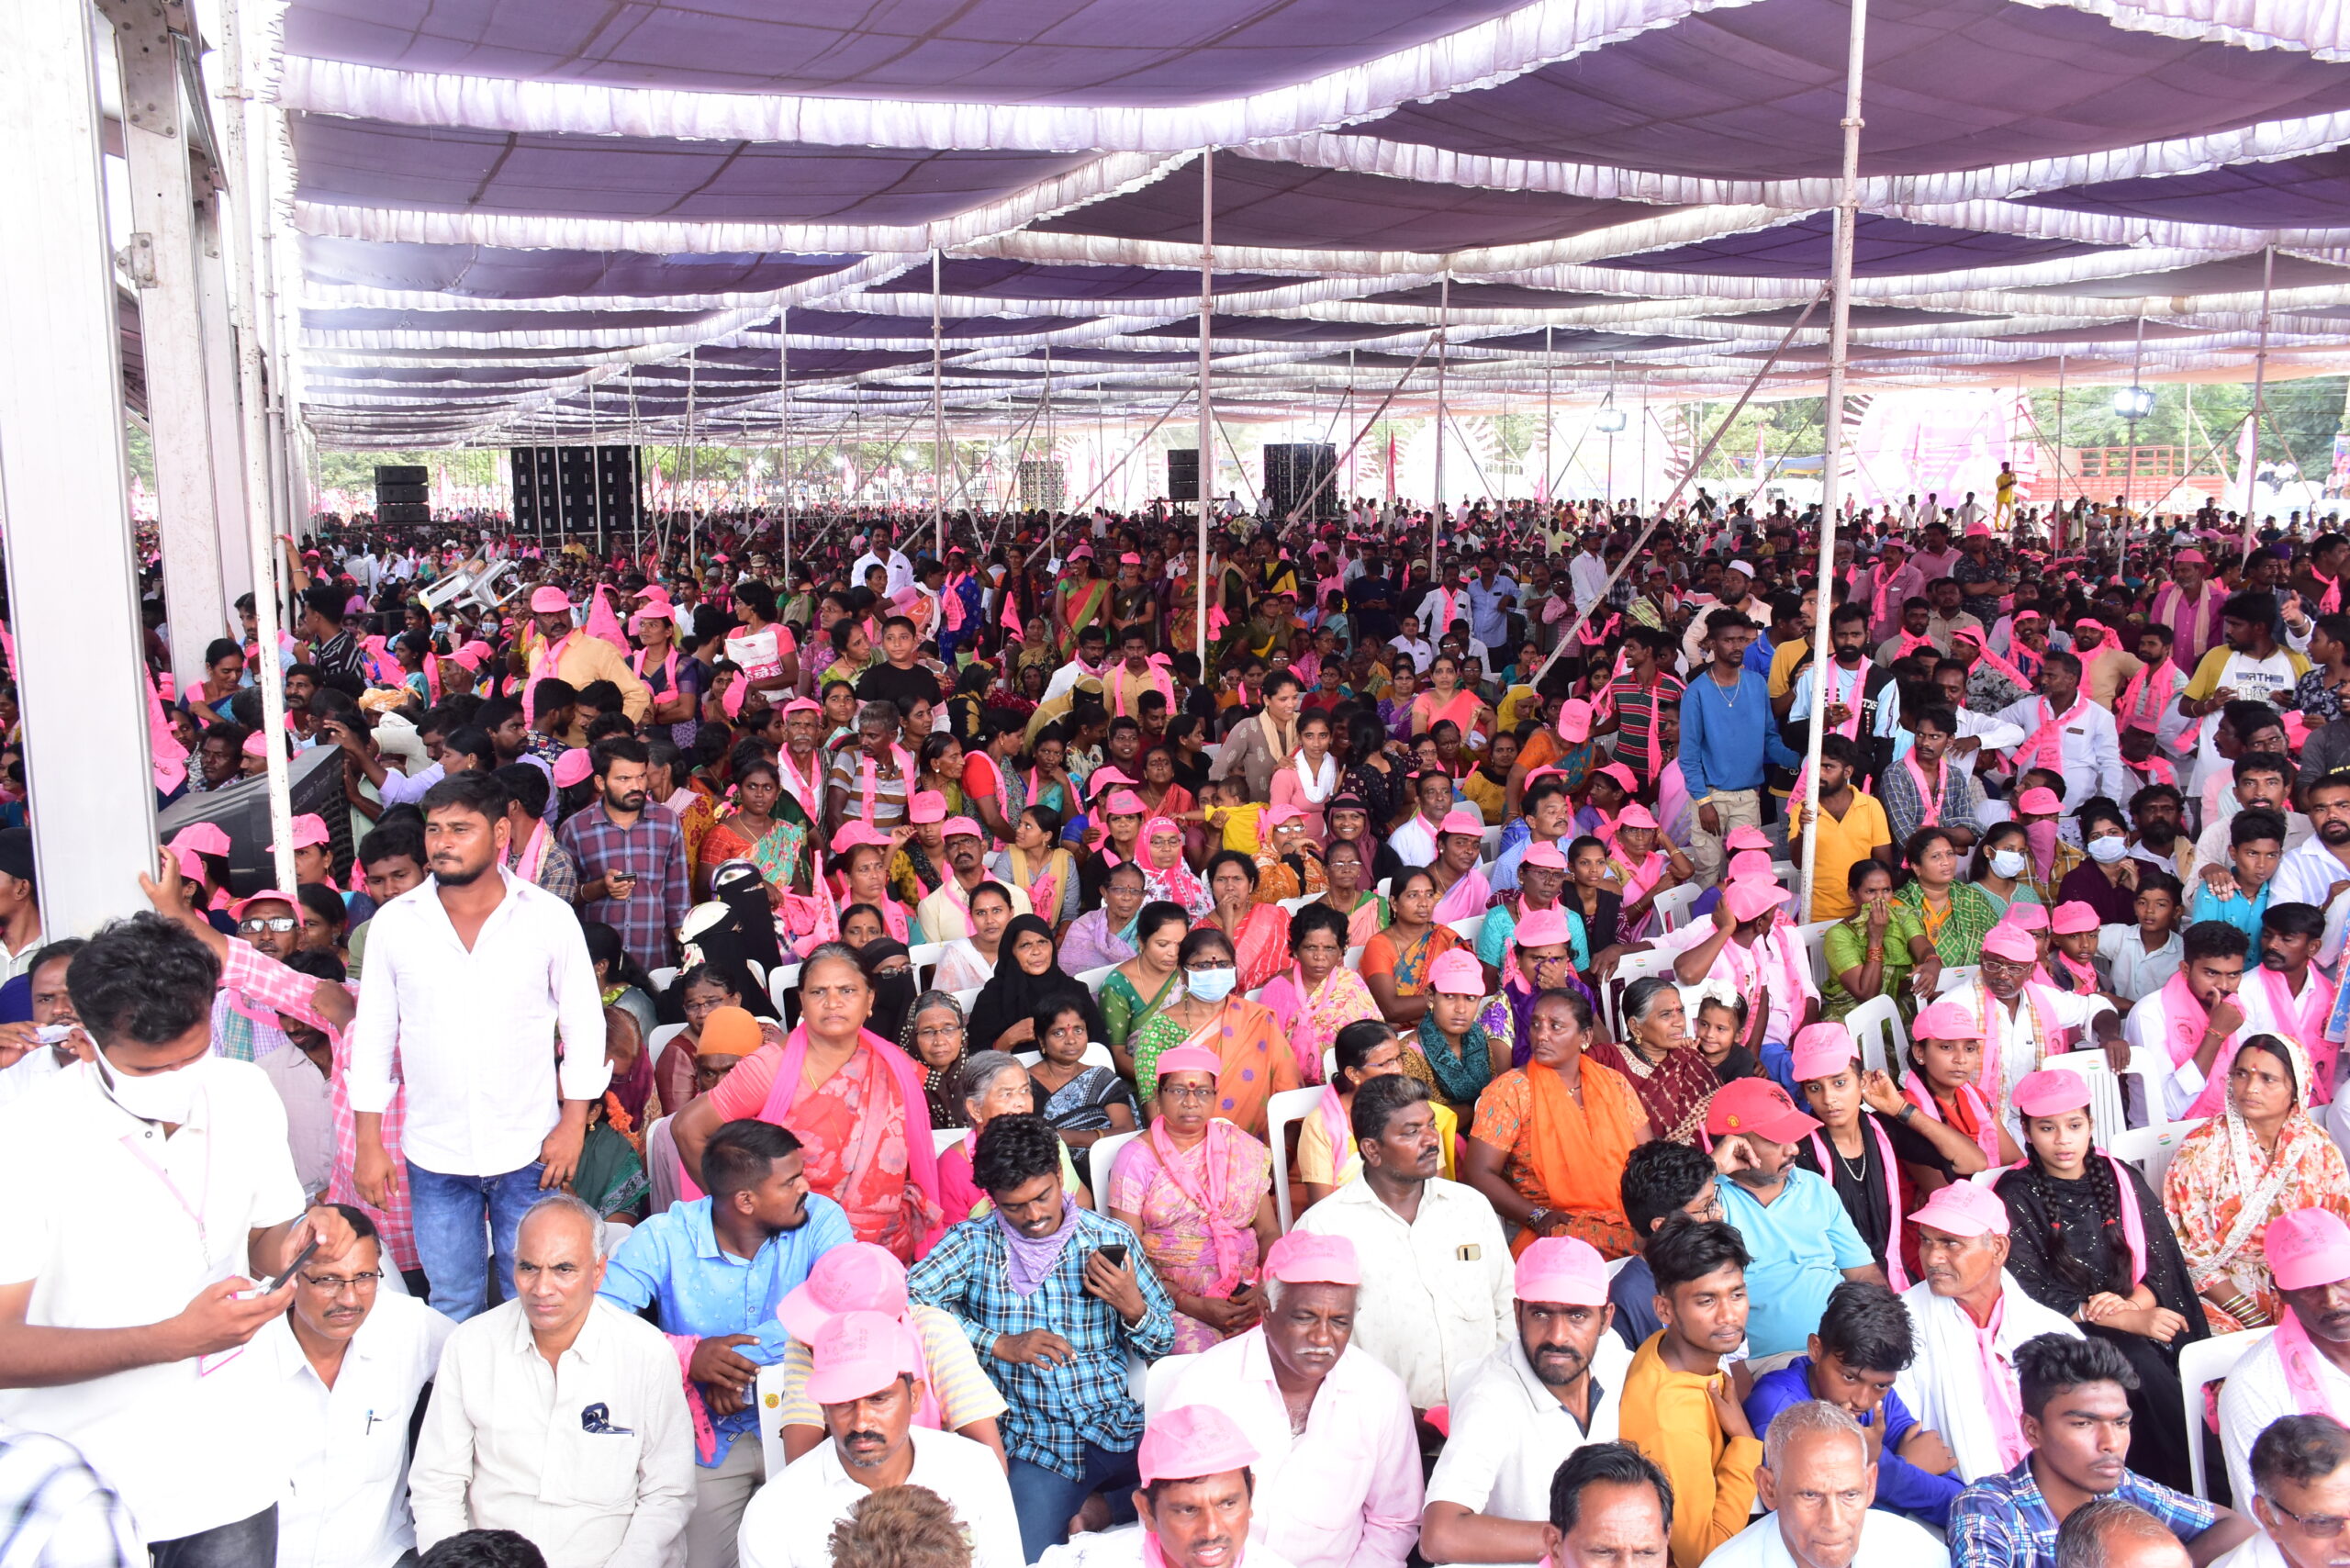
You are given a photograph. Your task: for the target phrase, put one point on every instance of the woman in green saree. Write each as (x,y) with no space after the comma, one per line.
(1145,983)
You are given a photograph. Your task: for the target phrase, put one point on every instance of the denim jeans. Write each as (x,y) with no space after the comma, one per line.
(1045,1499)
(238,1545)
(450,1213)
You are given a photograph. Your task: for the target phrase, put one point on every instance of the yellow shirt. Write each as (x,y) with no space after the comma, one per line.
(1666,1416)
(1841,843)
(1783,665)
(1314,1148)
(1239,824)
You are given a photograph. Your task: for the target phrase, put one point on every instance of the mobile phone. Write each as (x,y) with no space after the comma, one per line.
(299,1259)
(1114,1253)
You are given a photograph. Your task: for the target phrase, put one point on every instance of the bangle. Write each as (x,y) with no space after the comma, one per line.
(1875,955)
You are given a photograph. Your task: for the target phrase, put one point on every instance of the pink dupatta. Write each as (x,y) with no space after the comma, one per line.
(1894,1275)
(1207,1196)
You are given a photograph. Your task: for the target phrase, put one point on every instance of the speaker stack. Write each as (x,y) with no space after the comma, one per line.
(403,493)
(1043,488)
(1291,473)
(1183,474)
(574,489)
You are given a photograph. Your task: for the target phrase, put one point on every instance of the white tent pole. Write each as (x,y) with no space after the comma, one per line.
(1436,514)
(937,412)
(783,427)
(2259,390)
(1840,321)
(1207,408)
(1549,420)
(2055,524)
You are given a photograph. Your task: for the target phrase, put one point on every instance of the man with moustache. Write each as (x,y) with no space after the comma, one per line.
(1195,1505)
(1819,1479)
(2301,1472)
(2318,869)
(1680,1407)
(632,861)
(25,1057)
(2303,1367)
(945,916)
(1553,1388)
(1801,1241)
(1610,1507)
(867,1377)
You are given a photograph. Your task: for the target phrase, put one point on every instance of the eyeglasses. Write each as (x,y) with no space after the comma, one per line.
(334,1284)
(1187,1090)
(939,1032)
(1199,964)
(279,923)
(2317,1527)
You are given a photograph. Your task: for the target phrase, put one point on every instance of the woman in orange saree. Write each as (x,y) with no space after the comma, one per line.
(1550,1139)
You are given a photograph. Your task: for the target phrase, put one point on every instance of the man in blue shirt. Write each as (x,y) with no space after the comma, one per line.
(712,1271)
(1492,595)
(1801,1241)
(1864,1340)
(1728,735)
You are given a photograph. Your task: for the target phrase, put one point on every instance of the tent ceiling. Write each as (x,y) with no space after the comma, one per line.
(518,218)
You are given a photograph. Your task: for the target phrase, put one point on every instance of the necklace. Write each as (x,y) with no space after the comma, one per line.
(1857,1169)
(1732,692)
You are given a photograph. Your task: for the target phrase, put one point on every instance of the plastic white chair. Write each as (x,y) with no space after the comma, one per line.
(770,1396)
(2108,1110)
(1095,1053)
(1095,980)
(1631,966)
(663,978)
(1292,906)
(1815,947)
(1104,1160)
(1354,959)
(1469,930)
(658,1041)
(1672,906)
(1955,977)
(1380,887)
(1159,1381)
(1490,847)
(1289,1105)
(1617,1265)
(925,954)
(966,999)
(2153,1149)
(782,983)
(944,1138)
(2202,1363)
(1876,1027)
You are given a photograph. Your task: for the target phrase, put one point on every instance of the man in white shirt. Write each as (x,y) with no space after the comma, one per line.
(901,570)
(2212,959)
(1588,570)
(2309,1256)
(2319,867)
(1092,657)
(1436,1296)
(26,1059)
(1409,643)
(1817,1479)
(1198,1493)
(2063,730)
(151,1188)
(2016,1017)
(868,1375)
(2300,1475)
(1554,1385)
(558,1416)
(1414,843)
(472,975)
(351,1360)
(2260,780)
(1342,1486)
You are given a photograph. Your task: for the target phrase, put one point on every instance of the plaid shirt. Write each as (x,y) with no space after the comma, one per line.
(56,1513)
(1056,1411)
(653,848)
(2002,1522)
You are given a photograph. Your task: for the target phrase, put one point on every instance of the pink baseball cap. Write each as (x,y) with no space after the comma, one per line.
(1751,899)
(267,895)
(2073,917)
(1759,1106)
(1562,1269)
(1125,803)
(309,832)
(2307,1246)
(2191,558)
(1621,774)
(1746,838)
(1636,816)
(1083,553)
(1821,1050)
(1946,1020)
(1461,819)
(1282,815)
(928,806)
(1547,856)
(1542,928)
(549,599)
(1457,973)
(1963,1208)
(1190,1442)
(2027,916)
(1978,531)
(962,827)
(573,765)
(858,1353)
(1574,719)
(2012,943)
(803,705)
(200,838)
(853,834)
(1189,1059)
(1751,863)
(854,1276)
(1307,1257)
(2039,801)
(2052,1091)
(256,744)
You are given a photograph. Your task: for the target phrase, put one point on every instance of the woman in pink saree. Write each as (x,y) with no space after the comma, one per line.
(1317,995)
(1259,931)
(1461,891)
(1643,868)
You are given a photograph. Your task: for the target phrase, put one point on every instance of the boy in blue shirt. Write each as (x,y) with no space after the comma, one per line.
(2256,848)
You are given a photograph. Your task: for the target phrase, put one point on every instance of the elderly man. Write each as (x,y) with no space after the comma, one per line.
(1436,1294)
(2309,1256)
(2075,1403)
(2111,1533)
(715,1270)
(28,1055)
(1195,1502)
(1337,1460)
(2300,1472)
(867,1377)
(2013,1015)
(557,1415)
(872,781)
(353,1361)
(1552,1389)
(565,653)
(1610,1507)
(1801,1242)
(1818,1478)
(1053,1297)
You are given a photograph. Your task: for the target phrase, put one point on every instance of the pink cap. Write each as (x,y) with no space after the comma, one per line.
(853,834)
(1752,863)
(1946,1020)
(1307,1257)
(309,832)
(1129,559)
(854,1276)
(1279,815)
(1963,1208)
(858,1353)
(962,827)
(573,765)
(1461,819)
(1752,899)
(1821,1050)
(256,744)
(2028,916)
(1746,838)
(2012,943)
(549,599)
(1189,1059)
(2052,1091)
(200,838)
(2307,1246)
(1759,1106)
(1125,803)
(1574,719)
(1103,777)
(1547,856)
(2039,801)
(2073,917)
(1636,816)
(1456,972)
(267,895)
(471,655)
(1542,928)
(1978,531)
(2190,559)
(1191,1442)
(1562,1269)
(1083,553)
(803,705)
(928,806)
(1621,774)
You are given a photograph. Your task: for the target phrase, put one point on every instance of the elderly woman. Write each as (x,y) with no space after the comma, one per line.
(1198,1190)
(1003,1018)
(1550,1141)
(1210,1012)
(994,1084)
(1289,863)
(1396,961)
(971,959)
(1084,1101)
(1165,874)
(1346,865)
(1259,931)
(1954,915)
(1100,937)
(936,1037)
(1327,1158)
(871,781)
(1317,995)
(1666,1071)
(700,991)
(2261,1158)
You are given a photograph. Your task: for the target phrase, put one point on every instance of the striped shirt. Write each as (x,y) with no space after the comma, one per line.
(55,1512)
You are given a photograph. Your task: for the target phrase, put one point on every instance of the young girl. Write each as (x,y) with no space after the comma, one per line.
(1945,1065)
(1719,1027)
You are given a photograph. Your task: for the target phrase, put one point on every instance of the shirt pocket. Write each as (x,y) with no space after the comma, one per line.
(597,1469)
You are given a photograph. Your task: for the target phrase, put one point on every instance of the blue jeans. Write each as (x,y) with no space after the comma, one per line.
(1044,1500)
(448,1215)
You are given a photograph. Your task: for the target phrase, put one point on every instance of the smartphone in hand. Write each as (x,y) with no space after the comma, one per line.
(1114,1253)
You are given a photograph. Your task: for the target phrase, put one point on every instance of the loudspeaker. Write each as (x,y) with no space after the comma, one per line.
(572,489)
(1292,472)
(1042,487)
(401,474)
(390,495)
(240,809)
(403,512)
(1183,474)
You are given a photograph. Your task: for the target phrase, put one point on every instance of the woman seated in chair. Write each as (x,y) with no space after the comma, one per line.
(1672,1080)
(994,1084)
(1365,1050)
(1877,950)
(1550,1139)
(1317,995)
(1083,1101)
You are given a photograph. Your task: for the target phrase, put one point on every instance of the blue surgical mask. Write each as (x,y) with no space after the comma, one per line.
(1209,985)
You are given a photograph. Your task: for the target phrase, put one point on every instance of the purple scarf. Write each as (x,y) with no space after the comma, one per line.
(1030,1260)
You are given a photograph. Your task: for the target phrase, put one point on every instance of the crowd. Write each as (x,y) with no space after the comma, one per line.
(866,1057)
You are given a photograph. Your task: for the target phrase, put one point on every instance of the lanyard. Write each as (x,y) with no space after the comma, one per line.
(194,1211)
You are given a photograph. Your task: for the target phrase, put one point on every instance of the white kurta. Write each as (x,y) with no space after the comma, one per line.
(1887,1541)
(1943,1386)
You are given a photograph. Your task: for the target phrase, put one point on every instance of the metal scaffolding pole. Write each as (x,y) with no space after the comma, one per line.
(1436,514)
(783,428)
(1207,408)
(937,411)
(2259,393)
(1839,320)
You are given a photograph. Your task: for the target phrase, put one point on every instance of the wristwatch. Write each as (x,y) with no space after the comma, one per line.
(1908,1111)
(1538,1220)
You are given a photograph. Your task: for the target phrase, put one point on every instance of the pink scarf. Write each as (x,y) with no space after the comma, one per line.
(1336,1125)
(1746,968)
(542,665)
(1182,886)
(2183,1020)
(808,788)
(868,776)
(1969,634)
(2000,1395)
(922,1157)
(2045,746)
(2052,1035)
(2305,1022)
(1929,796)
(951,601)
(528,863)
(2303,1373)
(1466,898)
(2330,601)
(1208,1197)
(1894,1275)
(2080,979)
(1987,1125)
(1125,688)
(2148,695)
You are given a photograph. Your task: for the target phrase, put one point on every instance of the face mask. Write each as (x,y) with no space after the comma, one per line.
(158,1097)
(2007,863)
(2107,850)
(1209,985)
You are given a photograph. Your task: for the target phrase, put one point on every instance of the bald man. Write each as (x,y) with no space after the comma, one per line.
(1819,1479)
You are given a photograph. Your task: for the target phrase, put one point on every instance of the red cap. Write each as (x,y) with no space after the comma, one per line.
(1759,1106)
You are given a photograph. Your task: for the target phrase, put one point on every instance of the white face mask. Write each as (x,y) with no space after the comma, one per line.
(2007,863)
(2107,850)
(158,1096)
(1209,985)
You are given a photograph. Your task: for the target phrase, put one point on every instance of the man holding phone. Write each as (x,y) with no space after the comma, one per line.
(632,861)
(128,1291)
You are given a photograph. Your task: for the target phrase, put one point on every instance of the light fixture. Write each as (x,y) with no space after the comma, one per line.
(2133,403)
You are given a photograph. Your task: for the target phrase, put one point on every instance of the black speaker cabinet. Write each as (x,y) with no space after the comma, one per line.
(1183,474)
(572,490)
(1043,487)
(1291,473)
(401,474)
